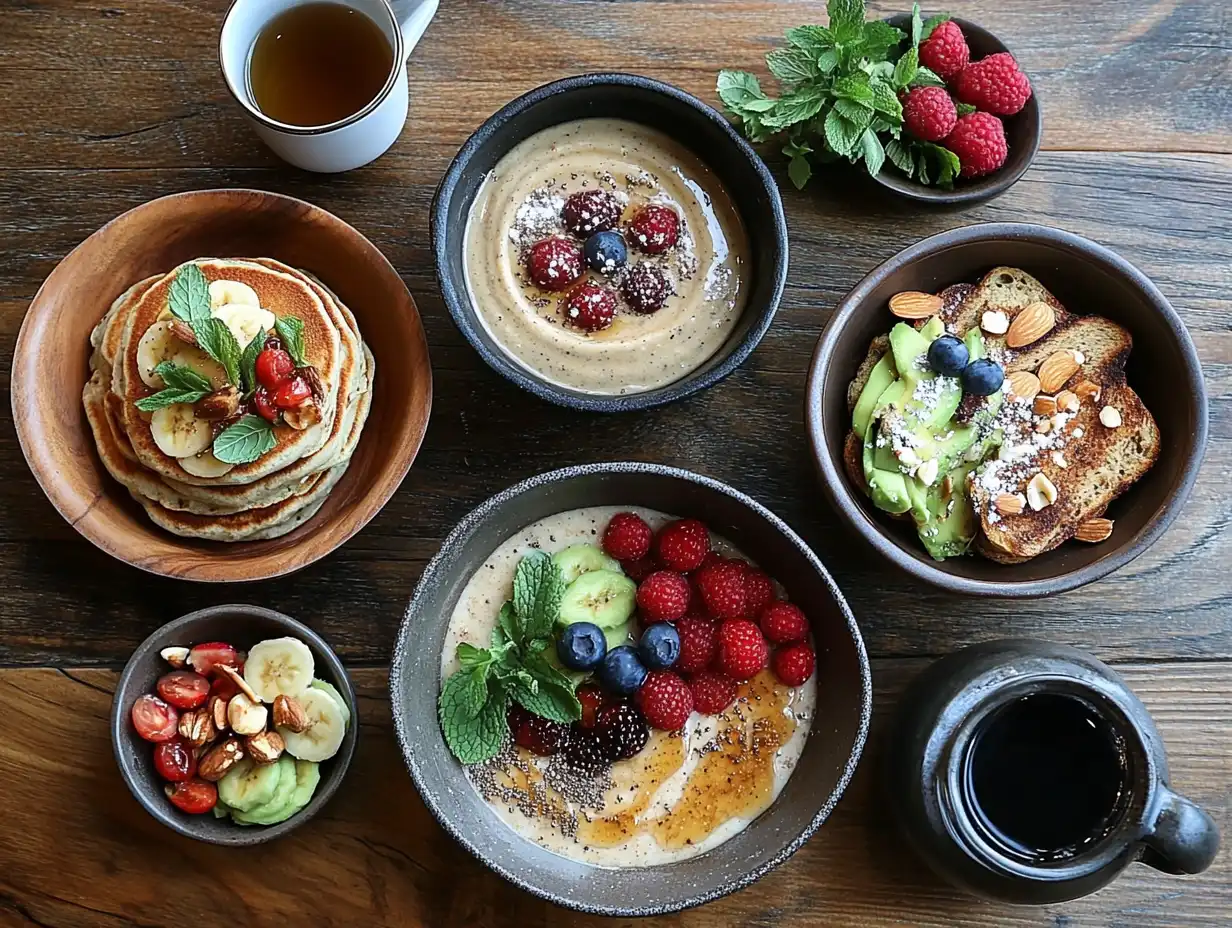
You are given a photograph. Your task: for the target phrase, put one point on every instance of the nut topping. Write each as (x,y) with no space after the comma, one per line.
(1110,417)
(238,679)
(219,759)
(1094,530)
(289,714)
(1041,492)
(1067,401)
(304,416)
(245,716)
(183,331)
(265,747)
(218,709)
(313,377)
(197,727)
(1030,325)
(1057,368)
(221,404)
(1087,392)
(912,304)
(1024,384)
(995,322)
(1010,504)
(176,657)
(1044,406)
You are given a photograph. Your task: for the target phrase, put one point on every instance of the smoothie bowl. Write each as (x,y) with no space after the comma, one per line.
(609,243)
(629,735)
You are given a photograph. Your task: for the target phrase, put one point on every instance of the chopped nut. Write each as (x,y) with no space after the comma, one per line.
(218,708)
(183,331)
(219,759)
(1030,325)
(289,714)
(1087,392)
(221,404)
(995,322)
(176,657)
(1079,432)
(265,747)
(927,472)
(912,304)
(1043,426)
(1057,368)
(238,679)
(1024,384)
(1044,405)
(1094,530)
(197,727)
(947,486)
(1009,504)
(304,416)
(1067,401)
(1110,417)
(1041,492)
(1059,459)
(246,718)
(313,378)
(907,457)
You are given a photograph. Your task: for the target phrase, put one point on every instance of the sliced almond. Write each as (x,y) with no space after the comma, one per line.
(912,304)
(927,472)
(1024,384)
(238,679)
(1094,530)
(995,322)
(1044,405)
(1041,492)
(1009,504)
(176,657)
(1067,401)
(1044,426)
(1030,325)
(1057,368)
(1110,417)
(1087,392)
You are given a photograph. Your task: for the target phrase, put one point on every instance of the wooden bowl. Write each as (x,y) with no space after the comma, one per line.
(51,364)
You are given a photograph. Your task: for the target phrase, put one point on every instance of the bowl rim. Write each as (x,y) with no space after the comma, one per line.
(23,406)
(341,762)
(467,524)
(465,317)
(841,495)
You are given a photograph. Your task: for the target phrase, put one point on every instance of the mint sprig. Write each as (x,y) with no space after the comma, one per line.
(474,700)
(248,363)
(245,441)
(181,385)
(291,331)
(189,300)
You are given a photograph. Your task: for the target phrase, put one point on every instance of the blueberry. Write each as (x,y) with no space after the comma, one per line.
(606,252)
(581,646)
(948,355)
(622,671)
(983,377)
(659,646)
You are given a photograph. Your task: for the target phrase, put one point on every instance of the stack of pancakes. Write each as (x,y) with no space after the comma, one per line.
(284,487)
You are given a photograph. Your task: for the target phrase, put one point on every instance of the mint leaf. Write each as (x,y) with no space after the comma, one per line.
(812,39)
(948,164)
(795,107)
(507,624)
(189,296)
(859,115)
(537,591)
(217,341)
(741,93)
(549,699)
(874,153)
(169,397)
(245,441)
(827,61)
(471,657)
(917,25)
(291,331)
(792,66)
(248,362)
(856,87)
(841,134)
(799,171)
(900,157)
(474,729)
(905,70)
(180,377)
(879,38)
(926,77)
(932,23)
(846,19)
(964,109)
(921,168)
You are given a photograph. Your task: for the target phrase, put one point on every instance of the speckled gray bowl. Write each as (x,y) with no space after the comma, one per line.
(833,747)
(241,626)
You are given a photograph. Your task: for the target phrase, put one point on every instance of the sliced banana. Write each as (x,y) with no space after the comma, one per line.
(245,322)
(223,292)
(327,687)
(179,433)
(205,465)
(279,666)
(158,345)
(326,727)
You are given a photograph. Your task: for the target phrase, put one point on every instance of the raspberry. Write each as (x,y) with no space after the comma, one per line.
(979,141)
(592,700)
(627,537)
(698,641)
(663,597)
(535,733)
(584,753)
(929,113)
(712,692)
(783,623)
(646,288)
(590,306)
(554,263)
(794,664)
(640,568)
(722,589)
(743,651)
(683,545)
(994,85)
(622,732)
(655,228)
(666,700)
(758,590)
(589,211)
(945,52)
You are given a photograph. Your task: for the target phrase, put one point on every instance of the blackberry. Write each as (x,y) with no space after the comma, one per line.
(584,753)
(621,732)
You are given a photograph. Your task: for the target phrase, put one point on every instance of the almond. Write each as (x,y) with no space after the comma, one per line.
(238,679)
(1094,530)
(1057,368)
(197,726)
(218,708)
(246,718)
(1009,504)
(912,304)
(1087,392)
(1024,384)
(1067,401)
(1030,325)
(995,322)
(1041,492)
(219,759)
(1110,417)
(289,714)
(176,657)
(1044,405)
(265,747)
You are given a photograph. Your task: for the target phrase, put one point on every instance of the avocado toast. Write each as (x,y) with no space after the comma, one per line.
(1032,468)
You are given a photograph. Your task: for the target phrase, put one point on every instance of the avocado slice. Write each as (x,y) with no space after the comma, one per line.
(886,488)
(933,329)
(907,344)
(952,521)
(881,377)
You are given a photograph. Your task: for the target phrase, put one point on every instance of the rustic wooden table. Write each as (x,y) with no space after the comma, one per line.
(106,105)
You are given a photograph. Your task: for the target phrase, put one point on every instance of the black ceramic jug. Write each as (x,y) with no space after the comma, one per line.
(1027,772)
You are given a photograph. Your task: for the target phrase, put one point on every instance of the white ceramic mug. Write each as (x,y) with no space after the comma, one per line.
(350,142)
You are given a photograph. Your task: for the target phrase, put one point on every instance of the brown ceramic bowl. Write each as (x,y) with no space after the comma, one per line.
(50,367)
(1087,278)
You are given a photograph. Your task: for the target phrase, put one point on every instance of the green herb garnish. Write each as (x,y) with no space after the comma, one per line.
(291,331)
(182,385)
(245,441)
(248,363)
(189,299)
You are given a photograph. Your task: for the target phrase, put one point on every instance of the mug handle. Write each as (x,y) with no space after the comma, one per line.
(413,17)
(1183,837)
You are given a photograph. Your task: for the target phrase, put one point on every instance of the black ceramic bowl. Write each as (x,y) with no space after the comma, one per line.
(1087,278)
(1023,132)
(826,764)
(660,106)
(242,626)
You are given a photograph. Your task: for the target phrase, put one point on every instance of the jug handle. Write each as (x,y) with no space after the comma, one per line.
(1183,838)
(413,17)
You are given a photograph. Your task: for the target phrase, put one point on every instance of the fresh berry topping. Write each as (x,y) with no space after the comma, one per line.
(983,377)
(293,394)
(622,671)
(655,228)
(666,700)
(223,686)
(273,367)
(154,719)
(584,753)
(929,113)
(589,211)
(606,252)
(994,85)
(743,651)
(659,646)
(783,623)
(538,735)
(663,597)
(621,731)
(554,263)
(979,141)
(195,796)
(698,643)
(793,665)
(591,698)
(758,590)
(581,646)
(175,760)
(263,402)
(627,537)
(183,688)
(590,306)
(722,589)
(945,51)
(646,288)
(640,568)
(683,545)
(203,658)
(948,355)
(712,692)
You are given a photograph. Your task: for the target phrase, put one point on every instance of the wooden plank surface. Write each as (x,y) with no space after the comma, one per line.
(104,105)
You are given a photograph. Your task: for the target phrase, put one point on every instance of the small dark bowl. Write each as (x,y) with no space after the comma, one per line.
(830,754)
(652,103)
(242,626)
(1087,278)
(1023,132)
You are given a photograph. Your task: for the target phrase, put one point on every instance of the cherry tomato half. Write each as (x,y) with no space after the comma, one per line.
(293,394)
(175,760)
(274,367)
(154,719)
(183,688)
(203,657)
(223,687)
(195,796)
